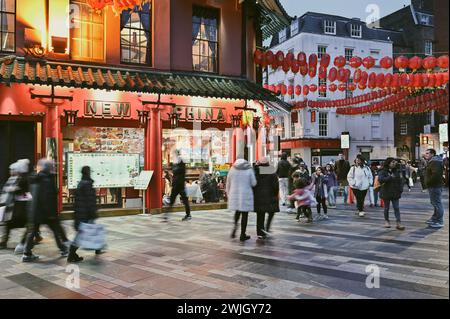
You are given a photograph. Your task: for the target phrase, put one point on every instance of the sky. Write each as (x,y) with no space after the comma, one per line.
(345,8)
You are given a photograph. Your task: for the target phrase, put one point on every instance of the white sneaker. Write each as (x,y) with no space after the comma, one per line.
(325,217)
(19,249)
(362,214)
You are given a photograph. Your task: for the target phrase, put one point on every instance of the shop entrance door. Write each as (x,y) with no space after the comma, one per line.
(17,141)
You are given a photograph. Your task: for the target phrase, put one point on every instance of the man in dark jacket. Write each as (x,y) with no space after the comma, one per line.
(179,185)
(283,170)
(265,197)
(43,209)
(85,209)
(342,169)
(433,182)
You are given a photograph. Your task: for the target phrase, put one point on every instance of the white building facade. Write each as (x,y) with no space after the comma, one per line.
(316,137)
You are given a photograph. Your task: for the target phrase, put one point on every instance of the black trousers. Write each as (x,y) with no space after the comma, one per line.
(305,210)
(5,236)
(180,190)
(33,230)
(260,219)
(360,197)
(244,221)
(321,203)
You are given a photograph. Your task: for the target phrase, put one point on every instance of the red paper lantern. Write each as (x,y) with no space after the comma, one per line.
(415,63)
(322,72)
(279,57)
(369,62)
(301,58)
(395,80)
(258,57)
(416,80)
(305,90)
(404,80)
(439,79)
(429,63)
(313,88)
(445,77)
(286,66)
(442,61)
(401,62)
(290,90)
(283,89)
(313,60)
(295,67)
(266,86)
(340,61)
(97,5)
(270,57)
(278,88)
(424,80)
(364,78)
(342,87)
(357,76)
(386,62)
(332,87)
(325,60)
(351,87)
(290,57)
(298,90)
(387,80)
(332,75)
(355,62)
(272,88)
(380,80)
(362,86)
(322,88)
(342,75)
(312,71)
(372,80)
(432,80)
(304,70)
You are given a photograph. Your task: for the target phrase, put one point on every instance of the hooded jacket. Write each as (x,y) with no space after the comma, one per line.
(434,172)
(360,177)
(240,182)
(391,184)
(45,196)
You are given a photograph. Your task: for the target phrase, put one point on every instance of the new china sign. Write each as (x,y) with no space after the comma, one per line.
(107,109)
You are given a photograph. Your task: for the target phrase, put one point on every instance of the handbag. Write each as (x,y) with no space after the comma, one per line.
(91,236)
(411,182)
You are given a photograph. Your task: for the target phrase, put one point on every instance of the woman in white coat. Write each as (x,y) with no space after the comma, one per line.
(360,178)
(240,182)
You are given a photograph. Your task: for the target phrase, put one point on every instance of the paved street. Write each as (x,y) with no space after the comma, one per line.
(150,259)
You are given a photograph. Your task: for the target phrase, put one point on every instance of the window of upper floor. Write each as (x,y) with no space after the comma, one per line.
(349,53)
(321,50)
(294,27)
(135,35)
(356,31)
(330,27)
(282,35)
(205,41)
(403,128)
(375,120)
(87,34)
(323,124)
(428,47)
(7,26)
(425,19)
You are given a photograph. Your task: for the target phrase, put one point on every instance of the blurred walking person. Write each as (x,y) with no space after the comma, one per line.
(283,170)
(433,180)
(266,197)
(360,178)
(85,210)
(240,182)
(342,168)
(43,209)
(320,193)
(391,181)
(332,184)
(179,185)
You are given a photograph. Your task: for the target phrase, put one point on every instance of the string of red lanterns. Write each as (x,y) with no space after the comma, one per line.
(117,5)
(403,102)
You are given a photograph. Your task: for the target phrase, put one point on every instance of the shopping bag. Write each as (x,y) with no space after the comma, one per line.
(5,214)
(411,182)
(91,236)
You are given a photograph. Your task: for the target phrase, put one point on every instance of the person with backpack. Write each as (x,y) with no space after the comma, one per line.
(391,181)
(360,178)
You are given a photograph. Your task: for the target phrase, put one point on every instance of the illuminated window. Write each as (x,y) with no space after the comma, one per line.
(135,37)
(7,25)
(87,37)
(205,45)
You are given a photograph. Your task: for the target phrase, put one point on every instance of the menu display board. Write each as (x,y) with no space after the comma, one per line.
(112,170)
(109,140)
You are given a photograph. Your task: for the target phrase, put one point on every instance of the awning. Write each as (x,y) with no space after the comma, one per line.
(18,70)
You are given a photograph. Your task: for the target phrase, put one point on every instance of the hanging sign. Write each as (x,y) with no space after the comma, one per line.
(443,132)
(345,141)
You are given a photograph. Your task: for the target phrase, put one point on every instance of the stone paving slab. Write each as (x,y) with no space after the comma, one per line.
(197,260)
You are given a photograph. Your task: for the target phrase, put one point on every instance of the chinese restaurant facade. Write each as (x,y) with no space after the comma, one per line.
(120,91)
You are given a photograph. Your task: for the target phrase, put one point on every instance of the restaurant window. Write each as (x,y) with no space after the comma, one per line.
(375,120)
(87,37)
(323,123)
(7,25)
(330,27)
(349,53)
(135,36)
(205,45)
(404,128)
(321,50)
(356,31)
(428,47)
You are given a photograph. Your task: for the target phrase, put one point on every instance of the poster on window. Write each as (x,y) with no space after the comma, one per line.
(107,170)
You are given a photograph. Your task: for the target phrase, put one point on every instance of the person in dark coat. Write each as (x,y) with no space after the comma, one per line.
(43,209)
(320,192)
(283,169)
(179,185)
(342,168)
(265,196)
(391,180)
(433,180)
(85,209)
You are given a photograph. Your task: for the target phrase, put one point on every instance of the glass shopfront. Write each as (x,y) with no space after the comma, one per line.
(116,157)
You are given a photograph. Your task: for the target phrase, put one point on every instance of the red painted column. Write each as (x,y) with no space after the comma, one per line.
(53,130)
(154,159)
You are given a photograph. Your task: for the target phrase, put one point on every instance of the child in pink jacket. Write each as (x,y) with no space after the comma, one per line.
(303,195)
